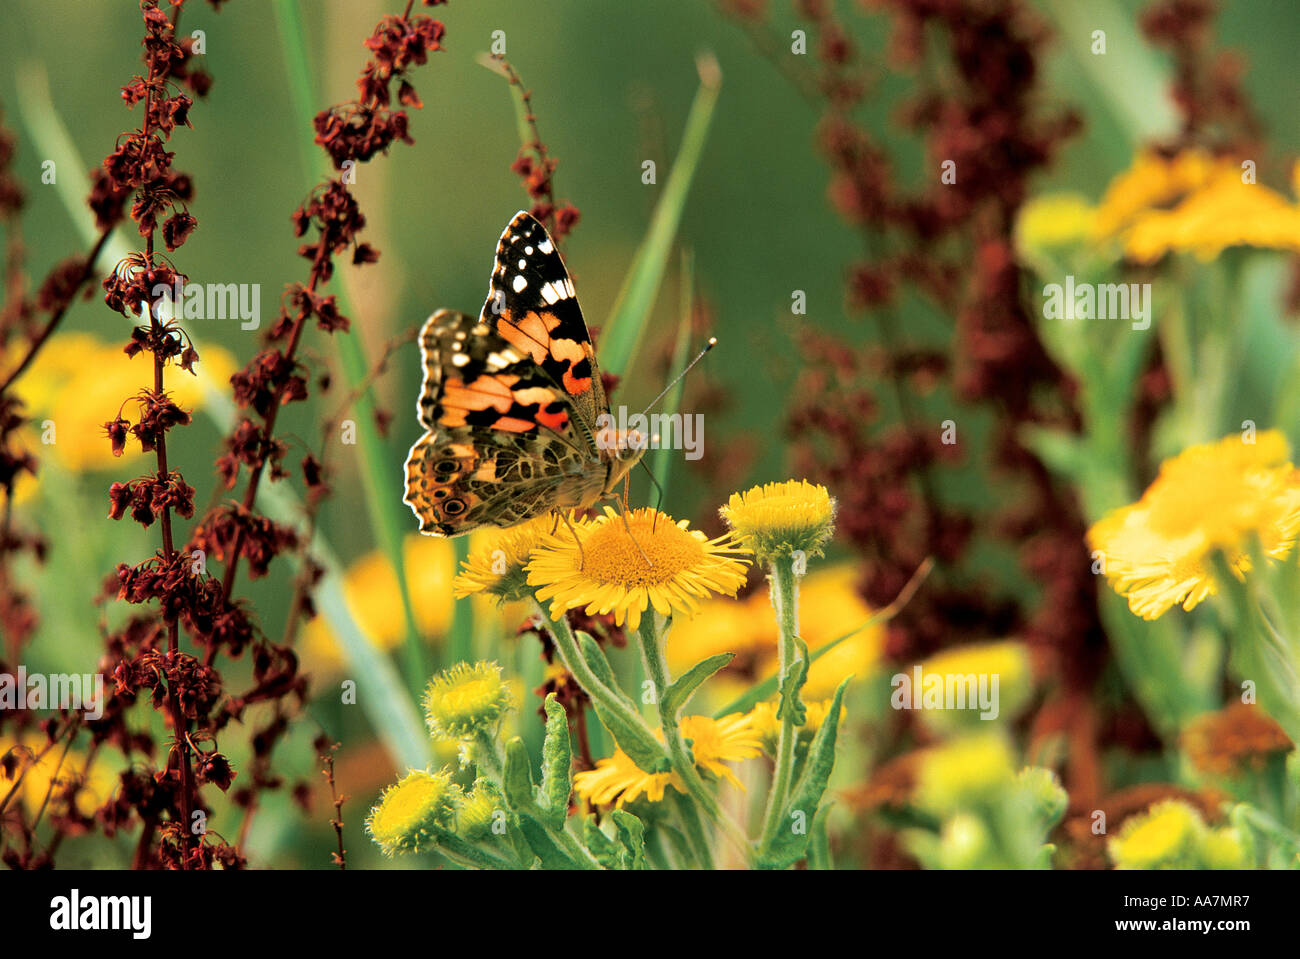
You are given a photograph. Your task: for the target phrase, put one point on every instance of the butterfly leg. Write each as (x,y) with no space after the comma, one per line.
(622,502)
(582,557)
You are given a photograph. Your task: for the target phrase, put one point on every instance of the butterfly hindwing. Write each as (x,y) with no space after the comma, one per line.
(501,443)
(532,304)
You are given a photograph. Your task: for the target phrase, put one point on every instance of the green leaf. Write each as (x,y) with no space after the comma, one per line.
(595,658)
(557,764)
(599,845)
(631,833)
(661,461)
(790,844)
(518,777)
(683,688)
(791,704)
(646,751)
(622,332)
(541,842)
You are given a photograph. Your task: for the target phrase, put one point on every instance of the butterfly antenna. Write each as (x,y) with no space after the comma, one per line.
(713,341)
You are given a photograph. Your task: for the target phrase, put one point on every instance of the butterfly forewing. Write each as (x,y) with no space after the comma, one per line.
(532,304)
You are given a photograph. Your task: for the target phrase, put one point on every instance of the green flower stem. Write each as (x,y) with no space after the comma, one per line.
(487,756)
(785,596)
(652,653)
(466,854)
(567,646)
(690,816)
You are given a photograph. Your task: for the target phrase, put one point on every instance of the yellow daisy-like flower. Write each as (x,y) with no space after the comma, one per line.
(411,814)
(497,563)
(713,743)
(1167,836)
(608,573)
(479,809)
(1194,202)
(1153,182)
(1213,496)
(779,519)
(767,727)
(465,699)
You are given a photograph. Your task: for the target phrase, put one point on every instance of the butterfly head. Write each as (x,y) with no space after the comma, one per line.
(621,450)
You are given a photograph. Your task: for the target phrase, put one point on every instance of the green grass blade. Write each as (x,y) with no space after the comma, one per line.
(387,514)
(662,462)
(622,333)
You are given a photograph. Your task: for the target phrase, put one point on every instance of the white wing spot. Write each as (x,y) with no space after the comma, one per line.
(519,283)
(522,263)
(549,294)
(528,251)
(545,246)
(460,359)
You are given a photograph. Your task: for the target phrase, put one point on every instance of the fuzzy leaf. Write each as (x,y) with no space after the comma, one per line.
(790,702)
(681,690)
(518,777)
(557,765)
(789,846)
(632,835)
(595,657)
(540,841)
(643,748)
(599,845)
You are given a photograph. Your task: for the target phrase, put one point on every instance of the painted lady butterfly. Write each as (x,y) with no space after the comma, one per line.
(513,401)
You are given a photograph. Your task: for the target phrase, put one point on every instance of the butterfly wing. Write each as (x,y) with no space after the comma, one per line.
(502,444)
(531,303)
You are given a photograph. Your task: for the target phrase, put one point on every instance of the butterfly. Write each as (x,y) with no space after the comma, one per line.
(516,418)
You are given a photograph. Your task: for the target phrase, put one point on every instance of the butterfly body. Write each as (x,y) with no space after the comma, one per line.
(516,416)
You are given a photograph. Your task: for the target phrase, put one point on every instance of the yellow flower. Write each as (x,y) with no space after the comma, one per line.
(964,772)
(1195,203)
(713,742)
(474,818)
(496,564)
(779,519)
(1153,182)
(1167,836)
(465,699)
(608,572)
(412,813)
(1213,496)
(371,593)
(1055,220)
(767,726)
(77,383)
